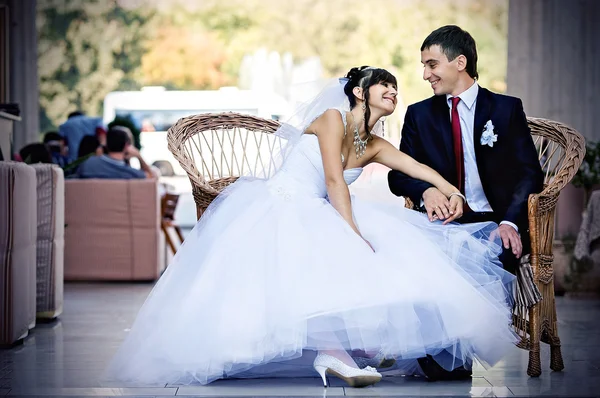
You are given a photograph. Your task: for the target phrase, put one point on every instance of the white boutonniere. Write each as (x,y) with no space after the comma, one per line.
(488,137)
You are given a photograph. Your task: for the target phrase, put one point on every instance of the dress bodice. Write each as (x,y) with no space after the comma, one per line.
(303,172)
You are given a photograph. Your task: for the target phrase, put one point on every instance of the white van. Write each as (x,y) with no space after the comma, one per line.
(155,109)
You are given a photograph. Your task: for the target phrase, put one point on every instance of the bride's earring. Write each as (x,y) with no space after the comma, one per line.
(382,120)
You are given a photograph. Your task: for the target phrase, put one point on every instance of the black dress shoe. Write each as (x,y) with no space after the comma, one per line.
(434,372)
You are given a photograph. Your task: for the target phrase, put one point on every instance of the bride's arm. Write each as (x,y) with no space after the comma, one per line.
(329,129)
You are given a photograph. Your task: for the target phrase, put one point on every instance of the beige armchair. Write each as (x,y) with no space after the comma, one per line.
(18,233)
(50,240)
(216,148)
(113,230)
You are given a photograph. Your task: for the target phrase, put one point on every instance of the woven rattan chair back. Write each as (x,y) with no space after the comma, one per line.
(560,150)
(215,149)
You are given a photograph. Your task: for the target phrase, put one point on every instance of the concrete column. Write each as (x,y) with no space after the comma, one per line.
(554,60)
(554,67)
(23,79)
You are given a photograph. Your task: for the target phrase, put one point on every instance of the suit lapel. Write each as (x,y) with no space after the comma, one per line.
(482,115)
(442,113)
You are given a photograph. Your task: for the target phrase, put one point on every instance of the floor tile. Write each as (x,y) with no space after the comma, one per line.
(502,392)
(542,382)
(67,357)
(106,392)
(263,387)
(491,392)
(414,386)
(54,379)
(571,391)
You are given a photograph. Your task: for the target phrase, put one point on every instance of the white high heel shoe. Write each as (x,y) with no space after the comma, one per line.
(354,377)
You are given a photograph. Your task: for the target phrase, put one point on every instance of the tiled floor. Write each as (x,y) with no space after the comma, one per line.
(67,357)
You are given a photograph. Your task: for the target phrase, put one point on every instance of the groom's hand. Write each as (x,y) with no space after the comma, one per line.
(436,204)
(510,239)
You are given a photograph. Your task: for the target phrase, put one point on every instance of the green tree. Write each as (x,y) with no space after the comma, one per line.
(345,33)
(88,49)
(201,46)
(185,58)
(85,50)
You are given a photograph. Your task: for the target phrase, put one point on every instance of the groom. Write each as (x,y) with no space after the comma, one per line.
(477,140)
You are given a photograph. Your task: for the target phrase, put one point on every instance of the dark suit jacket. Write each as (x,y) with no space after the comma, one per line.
(509,170)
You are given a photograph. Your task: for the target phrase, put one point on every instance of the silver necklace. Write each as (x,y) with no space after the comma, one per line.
(360,146)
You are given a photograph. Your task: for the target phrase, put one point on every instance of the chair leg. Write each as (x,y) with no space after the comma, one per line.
(179,233)
(169,240)
(556,360)
(534,368)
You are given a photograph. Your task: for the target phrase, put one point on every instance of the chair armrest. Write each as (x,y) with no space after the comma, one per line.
(541,210)
(542,206)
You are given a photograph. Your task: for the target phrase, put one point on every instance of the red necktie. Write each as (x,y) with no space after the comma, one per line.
(458,148)
(459,154)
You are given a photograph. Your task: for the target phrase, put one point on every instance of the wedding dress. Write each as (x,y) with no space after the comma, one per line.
(271,274)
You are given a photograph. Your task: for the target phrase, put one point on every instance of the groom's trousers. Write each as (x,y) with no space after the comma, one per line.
(509,261)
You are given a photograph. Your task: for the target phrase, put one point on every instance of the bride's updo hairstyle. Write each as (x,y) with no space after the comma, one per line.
(365,77)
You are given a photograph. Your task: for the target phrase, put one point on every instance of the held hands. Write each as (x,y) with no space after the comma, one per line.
(439,207)
(510,239)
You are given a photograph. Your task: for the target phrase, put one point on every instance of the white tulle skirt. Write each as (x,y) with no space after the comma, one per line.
(265,279)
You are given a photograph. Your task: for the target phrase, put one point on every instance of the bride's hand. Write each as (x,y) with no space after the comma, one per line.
(456,208)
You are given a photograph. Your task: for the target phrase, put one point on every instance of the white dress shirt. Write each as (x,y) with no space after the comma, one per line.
(473,187)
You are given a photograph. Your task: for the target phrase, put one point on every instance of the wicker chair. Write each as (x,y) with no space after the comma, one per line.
(168,205)
(561,150)
(216,148)
(227,145)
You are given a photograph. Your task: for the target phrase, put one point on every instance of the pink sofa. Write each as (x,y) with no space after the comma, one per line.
(113,231)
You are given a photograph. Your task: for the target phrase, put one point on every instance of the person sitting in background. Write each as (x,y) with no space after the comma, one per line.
(58,147)
(130,140)
(35,153)
(89,146)
(112,165)
(76,127)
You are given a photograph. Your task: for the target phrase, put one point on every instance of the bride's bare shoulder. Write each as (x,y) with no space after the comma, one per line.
(329,120)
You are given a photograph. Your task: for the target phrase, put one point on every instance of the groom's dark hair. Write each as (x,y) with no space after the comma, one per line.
(453,42)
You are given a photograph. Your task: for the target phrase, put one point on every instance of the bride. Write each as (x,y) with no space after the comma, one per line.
(288,269)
